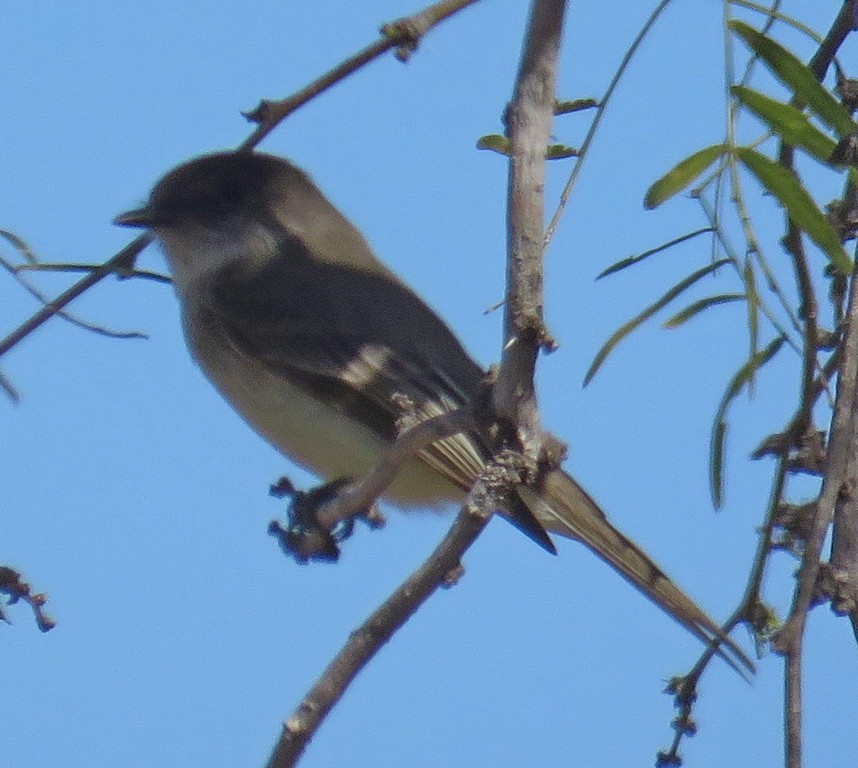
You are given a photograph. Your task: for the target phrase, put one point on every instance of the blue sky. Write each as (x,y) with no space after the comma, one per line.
(135,497)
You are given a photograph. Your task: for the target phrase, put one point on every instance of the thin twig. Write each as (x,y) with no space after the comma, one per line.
(143,274)
(365,493)
(9,388)
(403,35)
(747,611)
(735,261)
(44,301)
(771,12)
(370,637)
(834,38)
(118,262)
(583,152)
(793,704)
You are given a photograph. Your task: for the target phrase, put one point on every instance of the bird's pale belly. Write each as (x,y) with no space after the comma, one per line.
(310,432)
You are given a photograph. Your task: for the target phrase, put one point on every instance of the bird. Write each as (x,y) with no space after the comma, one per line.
(310,338)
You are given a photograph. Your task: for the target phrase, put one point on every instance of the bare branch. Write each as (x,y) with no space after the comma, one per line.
(528,121)
(403,35)
(15,589)
(841,584)
(122,260)
(41,298)
(793,704)
(408,444)
(843,426)
(368,639)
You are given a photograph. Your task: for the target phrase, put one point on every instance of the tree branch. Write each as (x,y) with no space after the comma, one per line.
(528,121)
(122,260)
(369,638)
(365,493)
(843,425)
(403,34)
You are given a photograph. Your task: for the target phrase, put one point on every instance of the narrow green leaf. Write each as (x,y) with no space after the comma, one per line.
(494,142)
(560,152)
(627,262)
(796,76)
(785,186)
(719,424)
(788,122)
(575,105)
(699,306)
(716,463)
(752,304)
(681,175)
(624,330)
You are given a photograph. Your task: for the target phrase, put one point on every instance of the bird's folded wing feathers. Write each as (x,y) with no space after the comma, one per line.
(357,374)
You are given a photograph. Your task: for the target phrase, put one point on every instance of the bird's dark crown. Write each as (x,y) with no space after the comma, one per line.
(212,187)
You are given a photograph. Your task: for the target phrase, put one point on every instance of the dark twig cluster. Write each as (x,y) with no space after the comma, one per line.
(16,590)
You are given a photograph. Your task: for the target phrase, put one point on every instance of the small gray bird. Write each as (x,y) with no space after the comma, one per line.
(309,337)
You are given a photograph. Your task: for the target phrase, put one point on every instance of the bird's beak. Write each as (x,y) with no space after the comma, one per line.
(139,217)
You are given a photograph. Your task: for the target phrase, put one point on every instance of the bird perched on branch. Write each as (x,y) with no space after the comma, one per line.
(311,339)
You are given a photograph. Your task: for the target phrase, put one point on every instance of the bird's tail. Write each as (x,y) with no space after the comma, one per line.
(564,508)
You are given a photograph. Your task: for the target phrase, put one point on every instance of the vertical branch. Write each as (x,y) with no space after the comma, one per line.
(793,705)
(528,123)
(843,582)
(789,640)
(840,580)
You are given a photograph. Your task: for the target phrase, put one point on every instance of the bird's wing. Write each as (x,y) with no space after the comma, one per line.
(358,369)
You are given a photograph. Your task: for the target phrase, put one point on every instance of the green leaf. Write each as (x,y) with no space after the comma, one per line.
(494,142)
(788,122)
(752,304)
(719,428)
(699,306)
(785,186)
(560,152)
(627,262)
(796,76)
(575,105)
(500,144)
(716,463)
(681,175)
(624,330)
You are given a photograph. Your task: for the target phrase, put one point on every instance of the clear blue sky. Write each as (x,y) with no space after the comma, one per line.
(135,497)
